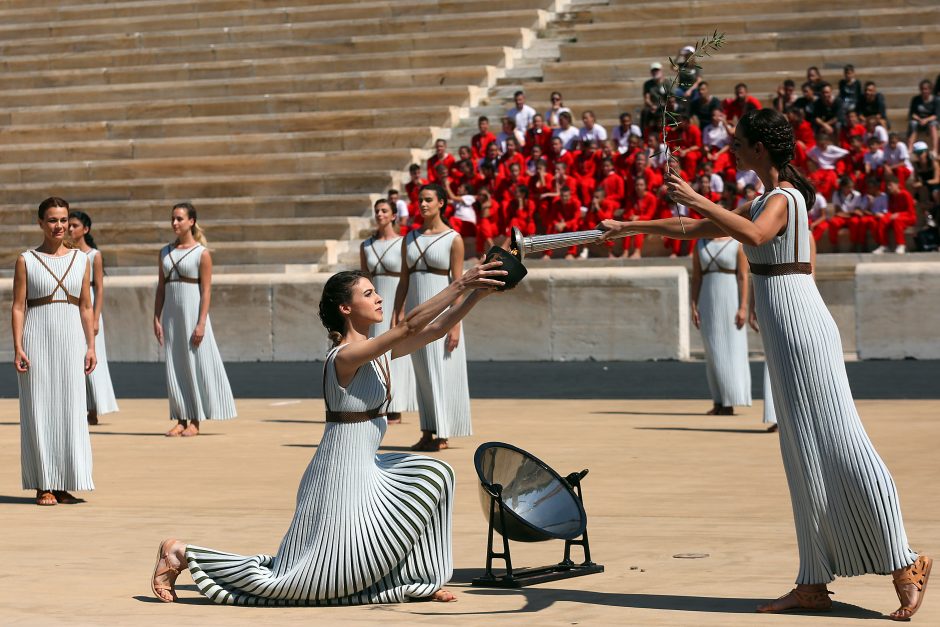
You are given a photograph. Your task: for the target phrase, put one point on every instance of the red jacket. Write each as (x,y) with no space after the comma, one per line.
(569,213)
(613,188)
(902,202)
(479,143)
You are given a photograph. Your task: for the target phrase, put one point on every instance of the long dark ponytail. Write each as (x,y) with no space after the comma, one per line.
(85,219)
(337,291)
(772,129)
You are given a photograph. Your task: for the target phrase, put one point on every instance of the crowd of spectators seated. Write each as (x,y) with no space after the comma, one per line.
(542,173)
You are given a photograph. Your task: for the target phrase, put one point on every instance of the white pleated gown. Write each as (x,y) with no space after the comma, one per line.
(441,376)
(54,444)
(99,387)
(845,504)
(726,363)
(196,381)
(368,528)
(770,416)
(383,259)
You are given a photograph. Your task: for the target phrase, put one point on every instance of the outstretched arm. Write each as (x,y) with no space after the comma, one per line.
(441,325)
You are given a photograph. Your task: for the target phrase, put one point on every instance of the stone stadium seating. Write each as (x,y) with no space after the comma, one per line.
(280,120)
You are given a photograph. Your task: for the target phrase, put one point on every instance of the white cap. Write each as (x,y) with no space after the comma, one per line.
(656,65)
(920,147)
(687,49)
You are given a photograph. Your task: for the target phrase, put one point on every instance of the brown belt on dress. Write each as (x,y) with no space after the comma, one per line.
(779,269)
(434,271)
(353,416)
(182,279)
(48,300)
(721,270)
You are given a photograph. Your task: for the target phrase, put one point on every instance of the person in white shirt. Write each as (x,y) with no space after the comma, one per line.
(898,159)
(400,206)
(509,130)
(825,155)
(717,183)
(567,133)
(873,128)
(875,157)
(716,139)
(622,133)
(557,108)
(847,213)
(521,113)
(591,130)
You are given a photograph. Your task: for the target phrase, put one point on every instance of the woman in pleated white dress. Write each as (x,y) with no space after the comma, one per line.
(100,391)
(433,257)
(719,310)
(368,528)
(845,503)
(54,350)
(197,385)
(380,259)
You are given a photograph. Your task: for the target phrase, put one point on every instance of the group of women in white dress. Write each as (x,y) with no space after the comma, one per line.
(58,297)
(376,528)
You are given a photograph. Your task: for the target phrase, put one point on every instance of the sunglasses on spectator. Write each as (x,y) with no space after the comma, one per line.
(556,99)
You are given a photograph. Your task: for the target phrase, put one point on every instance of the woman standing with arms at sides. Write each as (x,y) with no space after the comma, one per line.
(195,376)
(380,260)
(100,391)
(845,504)
(53,352)
(433,256)
(719,310)
(368,527)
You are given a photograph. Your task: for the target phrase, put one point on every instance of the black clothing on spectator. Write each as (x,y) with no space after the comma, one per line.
(806,104)
(924,109)
(702,109)
(850,95)
(830,111)
(866,108)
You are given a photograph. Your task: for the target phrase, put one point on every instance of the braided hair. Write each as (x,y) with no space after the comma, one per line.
(337,291)
(85,219)
(772,129)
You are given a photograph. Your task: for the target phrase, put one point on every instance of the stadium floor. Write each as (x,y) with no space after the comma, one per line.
(665,480)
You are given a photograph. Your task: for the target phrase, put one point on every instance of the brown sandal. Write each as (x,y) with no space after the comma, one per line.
(167,569)
(424,444)
(917,575)
(61,496)
(45,498)
(807,601)
(437,444)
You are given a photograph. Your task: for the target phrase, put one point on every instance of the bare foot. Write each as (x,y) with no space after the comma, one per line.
(569,256)
(806,598)
(636,255)
(45,498)
(191,431)
(444,596)
(176,430)
(167,569)
(910,583)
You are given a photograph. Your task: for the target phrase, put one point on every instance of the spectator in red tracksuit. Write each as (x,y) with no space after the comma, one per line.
(521,212)
(584,170)
(825,156)
(539,135)
(847,214)
(482,139)
(487,231)
(562,179)
(601,208)
(900,215)
(440,157)
(412,188)
(802,133)
(565,217)
(511,156)
(493,160)
(623,162)
(611,183)
(641,205)
(642,169)
(688,148)
(541,184)
(558,154)
(506,191)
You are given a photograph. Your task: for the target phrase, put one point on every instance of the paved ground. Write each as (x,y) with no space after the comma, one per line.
(534,380)
(665,480)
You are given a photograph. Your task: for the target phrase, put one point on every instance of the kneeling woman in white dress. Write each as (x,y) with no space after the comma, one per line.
(54,350)
(368,528)
(719,309)
(195,375)
(380,259)
(100,390)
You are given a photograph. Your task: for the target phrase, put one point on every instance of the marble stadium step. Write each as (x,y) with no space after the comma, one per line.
(244,144)
(346,125)
(223,253)
(323,206)
(259,229)
(267,49)
(230,26)
(212,9)
(285,67)
(721,10)
(187,167)
(794,62)
(219,186)
(865,37)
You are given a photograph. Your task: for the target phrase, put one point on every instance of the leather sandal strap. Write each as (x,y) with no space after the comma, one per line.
(915,575)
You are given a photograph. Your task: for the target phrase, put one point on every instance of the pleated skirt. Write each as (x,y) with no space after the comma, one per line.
(55,450)
(367,529)
(100,390)
(770,415)
(726,360)
(404,392)
(197,385)
(845,503)
(441,376)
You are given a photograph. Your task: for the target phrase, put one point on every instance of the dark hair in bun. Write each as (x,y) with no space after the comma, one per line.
(772,129)
(336,292)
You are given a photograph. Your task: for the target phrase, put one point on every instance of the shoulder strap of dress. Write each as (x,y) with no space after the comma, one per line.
(176,262)
(59,281)
(381,257)
(795,222)
(426,249)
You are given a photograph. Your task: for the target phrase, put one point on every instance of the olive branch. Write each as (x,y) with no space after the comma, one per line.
(703,48)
